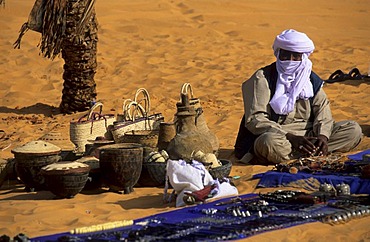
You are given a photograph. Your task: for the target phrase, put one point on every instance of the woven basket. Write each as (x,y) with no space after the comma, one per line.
(153,174)
(58,139)
(30,158)
(221,171)
(147,138)
(65,179)
(90,126)
(136,116)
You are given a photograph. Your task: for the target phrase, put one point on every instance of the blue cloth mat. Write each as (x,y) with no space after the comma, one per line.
(276,179)
(358,156)
(211,221)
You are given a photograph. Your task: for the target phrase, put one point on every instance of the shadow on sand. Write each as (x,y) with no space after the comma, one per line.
(38,108)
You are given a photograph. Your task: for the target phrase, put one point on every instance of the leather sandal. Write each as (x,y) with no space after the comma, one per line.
(337,76)
(355,74)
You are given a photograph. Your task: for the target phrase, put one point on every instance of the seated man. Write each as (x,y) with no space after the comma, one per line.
(287,111)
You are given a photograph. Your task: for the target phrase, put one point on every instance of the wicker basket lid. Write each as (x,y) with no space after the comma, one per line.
(91,161)
(64,165)
(58,139)
(100,140)
(37,147)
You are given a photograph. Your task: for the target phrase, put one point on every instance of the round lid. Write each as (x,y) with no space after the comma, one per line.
(58,139)
(101,140)
(37,147)
(119,146)
(64,165)
(92,161)
(142,132)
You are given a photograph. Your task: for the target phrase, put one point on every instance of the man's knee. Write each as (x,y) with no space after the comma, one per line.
(356,131)
(355,134)
(347,137)
(273,147)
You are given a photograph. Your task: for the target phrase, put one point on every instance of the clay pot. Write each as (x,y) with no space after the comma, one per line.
(201,124)
(167,132)
(188,139)
(30,158)
(200,121)
(121,165)
(65,179)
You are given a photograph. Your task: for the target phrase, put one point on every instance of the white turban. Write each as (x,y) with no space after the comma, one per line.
(293,40)
(293,76)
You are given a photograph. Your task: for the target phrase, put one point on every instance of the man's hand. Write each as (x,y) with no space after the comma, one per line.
(322,145)
(305,145)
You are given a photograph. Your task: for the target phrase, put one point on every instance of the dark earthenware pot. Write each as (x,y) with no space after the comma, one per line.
(30,158)
(167,132)
(95,180)
(65,179)
(121,165)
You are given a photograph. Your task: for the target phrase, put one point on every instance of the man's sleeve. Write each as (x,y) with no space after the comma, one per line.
(323,122)
(256,97)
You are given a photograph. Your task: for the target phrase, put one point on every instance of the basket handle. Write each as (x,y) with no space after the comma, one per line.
(97,116)
(125,111)
(138,108)
(132,108)
(146,99)
(92,118)
(185,90)
(96,105)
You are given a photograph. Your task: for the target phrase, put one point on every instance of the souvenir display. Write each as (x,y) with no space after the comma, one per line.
(230,218)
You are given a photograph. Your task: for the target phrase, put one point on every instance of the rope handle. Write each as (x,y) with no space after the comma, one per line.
(138,108)
(146,99)
(126,115)
(96,105)
(94,117)
(185,90)
(132,109)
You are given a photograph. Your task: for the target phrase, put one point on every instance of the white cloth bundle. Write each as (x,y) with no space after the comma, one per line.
(185,177)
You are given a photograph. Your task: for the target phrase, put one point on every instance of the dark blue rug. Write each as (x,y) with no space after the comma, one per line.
(229,219)
(356,183)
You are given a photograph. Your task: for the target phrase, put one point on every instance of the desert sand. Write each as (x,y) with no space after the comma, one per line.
(159,45)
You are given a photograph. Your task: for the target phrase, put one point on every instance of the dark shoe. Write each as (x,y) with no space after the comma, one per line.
(337,76)
(355,74)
